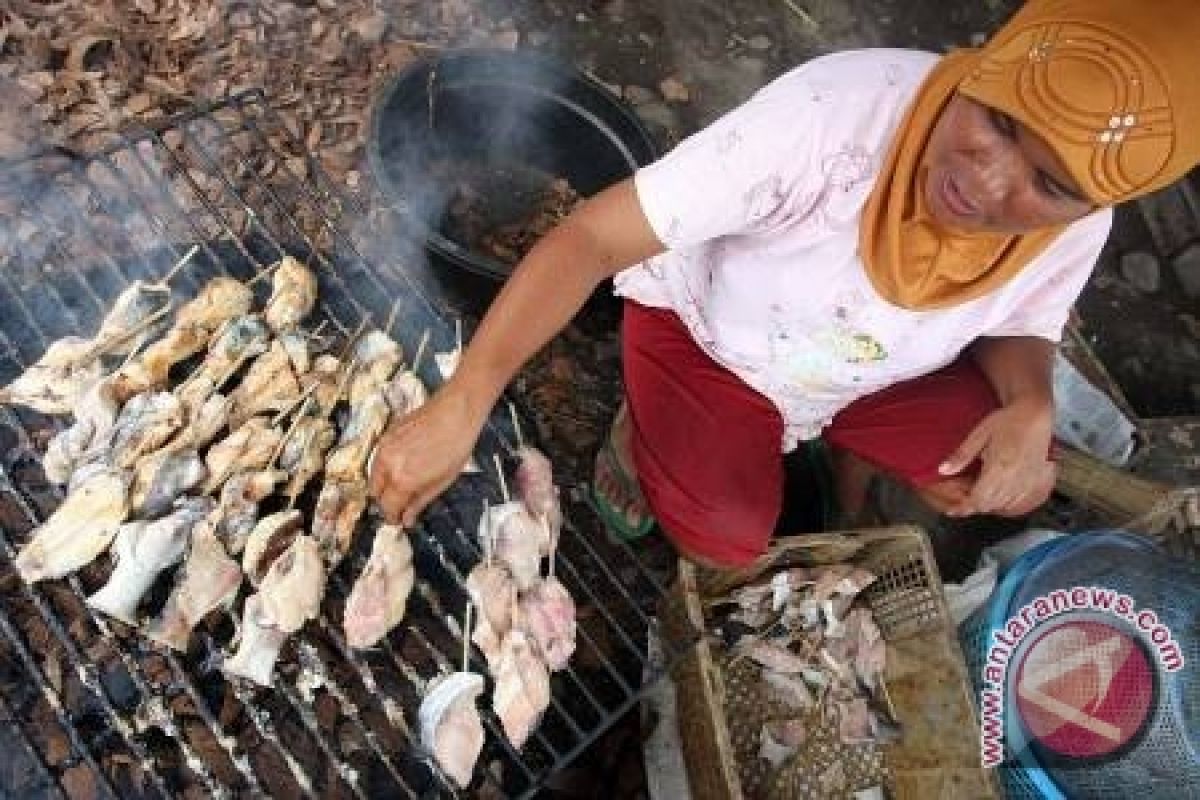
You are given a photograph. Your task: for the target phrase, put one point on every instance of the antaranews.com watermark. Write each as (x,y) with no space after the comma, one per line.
(1005,642)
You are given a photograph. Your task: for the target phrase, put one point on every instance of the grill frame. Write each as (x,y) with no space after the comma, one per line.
(191,188)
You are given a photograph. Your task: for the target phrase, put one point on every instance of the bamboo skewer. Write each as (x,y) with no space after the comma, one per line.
(391,320)
(553,542)
(180,264)
(512,411)
(421,346)
(500,474)
(466,655)
(262,273)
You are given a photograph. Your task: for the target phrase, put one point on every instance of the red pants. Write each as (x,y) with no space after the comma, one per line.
(706,445)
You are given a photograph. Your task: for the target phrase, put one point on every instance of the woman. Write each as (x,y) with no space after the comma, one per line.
(881,247)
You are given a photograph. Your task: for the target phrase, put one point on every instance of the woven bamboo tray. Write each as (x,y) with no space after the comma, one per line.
(938,756)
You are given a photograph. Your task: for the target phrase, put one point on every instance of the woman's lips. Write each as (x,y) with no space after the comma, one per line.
(954,199)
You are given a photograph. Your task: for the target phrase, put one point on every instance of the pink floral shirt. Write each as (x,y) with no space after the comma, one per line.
(760,214)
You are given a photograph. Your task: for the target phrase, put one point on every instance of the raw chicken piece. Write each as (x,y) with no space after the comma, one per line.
(303,455)
(451,730)
(289,596)
(840,579)
(548,616)
(273,534)
(522,687)
(238,507)
(221,300)
(779,740)
(55,383)
(250,447)
(376,603)
(293,295)
(208,578)
(519,540)
(258,647)
(378,355)
(269,385)
(238,340)
(494,593)
(81,528)
(788,690)
(95,416)
(405,393)
(335,517)
(161,477)
(775,656)
(144,424)
(535,487)
(143,550)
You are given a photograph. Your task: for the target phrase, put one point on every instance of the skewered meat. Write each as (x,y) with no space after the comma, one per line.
(378,599)
(289,595)
(95,416)
(535,487)
(238,507)
(295,344)
(143,550)
(335,517)
(161,477)
(221,300)
(258,648)
(250,447)
(406,393)
(368,418)
(518,539)
(79,530)
(269,385)
(303,455)
(522,690)
(207,422)
(293,294)
(54,384)
(378,356)
(208,578)
(494,594)
(447,362)
(144,424)
(239,340)
(134,308)
(451,729)
(548,616)
(325,374)
(272,535)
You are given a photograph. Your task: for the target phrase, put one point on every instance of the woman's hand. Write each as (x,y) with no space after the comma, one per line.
(419,457)
(1013,445)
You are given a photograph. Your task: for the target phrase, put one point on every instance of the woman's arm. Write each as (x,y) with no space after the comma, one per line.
(420,456)
(1013,442)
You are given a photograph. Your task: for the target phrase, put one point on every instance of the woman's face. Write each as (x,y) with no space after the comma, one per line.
(989,173)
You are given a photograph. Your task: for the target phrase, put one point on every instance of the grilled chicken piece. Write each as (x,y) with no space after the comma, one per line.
(377,601)
(203,427)
(238,507)
(326,373)
(494,594)
(239,340)
(517,540)
(451,730)
(208,578)
(272,535)
(221,300)
(81,528)
(335,517)
(368,418)
(137,306)
(258,647)
(161,477)
(289,596)
(535,487)
(55,383)
(269,385)
(296,345)
(522,690)
(405,393)
(548,616)
(303,455)
(95,416)
(143,425)
(143,550)
(250,447)
(378,355)
(293,295)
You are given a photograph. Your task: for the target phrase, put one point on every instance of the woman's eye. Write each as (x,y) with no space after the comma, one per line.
(1003,123)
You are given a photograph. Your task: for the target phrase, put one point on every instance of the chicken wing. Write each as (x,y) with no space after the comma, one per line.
(143,425)
(335,517)
(258,647)
(326,374)
(494,594)
(270,385)
(451,730)
(143,550)
(293,295)
(272,535)
(378,355)
(517,540)
(522,690)
(137,306)
(87,437)
(54,384)
(535,487)
(81,528)
(238,507)
(405,393)
(378,599)
(161,477)
(208,578)
(548,616)
(303,455)
(250,447)
(368,419)
(206,422)
(239,340)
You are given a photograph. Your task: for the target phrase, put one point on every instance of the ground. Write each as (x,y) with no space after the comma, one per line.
(71,72)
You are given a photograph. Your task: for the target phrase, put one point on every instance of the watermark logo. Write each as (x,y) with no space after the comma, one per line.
(1079,669)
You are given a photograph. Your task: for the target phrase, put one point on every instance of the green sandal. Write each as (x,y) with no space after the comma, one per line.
(612,517)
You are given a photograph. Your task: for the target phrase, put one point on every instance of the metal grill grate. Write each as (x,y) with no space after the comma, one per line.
(94,709)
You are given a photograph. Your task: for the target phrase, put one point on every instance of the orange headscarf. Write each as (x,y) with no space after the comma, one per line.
(1113,86)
